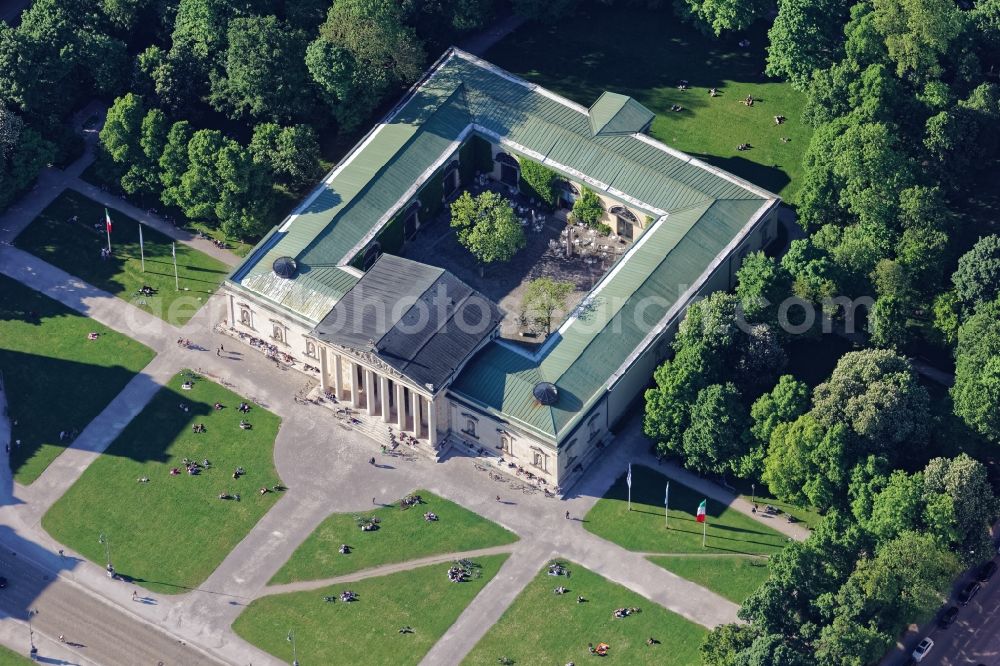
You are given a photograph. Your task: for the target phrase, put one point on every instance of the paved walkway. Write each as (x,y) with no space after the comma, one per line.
(386,569)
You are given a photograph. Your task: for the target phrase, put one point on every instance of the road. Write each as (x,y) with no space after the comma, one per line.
(101,632)
(974,638)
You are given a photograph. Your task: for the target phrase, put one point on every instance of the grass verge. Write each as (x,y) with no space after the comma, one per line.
(734,577)
(170,533)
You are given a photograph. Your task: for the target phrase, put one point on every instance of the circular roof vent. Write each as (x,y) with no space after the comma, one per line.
(546,393)
(284,267)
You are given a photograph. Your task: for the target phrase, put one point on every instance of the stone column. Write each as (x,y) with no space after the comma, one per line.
(370,392)
(322,368)
(338,378)
(432,435)
(355,389)
(416,413)
(384,398)
(401,407)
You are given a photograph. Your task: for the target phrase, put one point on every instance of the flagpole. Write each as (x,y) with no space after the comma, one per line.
(704,529)
(628,480)
(173,251)
(666,507)
(142,253)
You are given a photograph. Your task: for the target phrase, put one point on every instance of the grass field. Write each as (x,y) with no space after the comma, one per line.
(169,534)
(76,248)
(544,628)
(11,658)
(642,529)
(734,577)
(56,378)
(645,53)
(403,535)
(365,631)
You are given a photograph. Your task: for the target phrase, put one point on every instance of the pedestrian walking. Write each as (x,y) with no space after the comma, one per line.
(135,595)
(61,553)
(373,500)
(498,498)
(567,515)
(218,351)
(62,639)
(371,461)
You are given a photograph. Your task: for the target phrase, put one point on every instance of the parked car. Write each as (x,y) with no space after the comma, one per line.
(948,617)
(922,650)
(968,592)
(986,571)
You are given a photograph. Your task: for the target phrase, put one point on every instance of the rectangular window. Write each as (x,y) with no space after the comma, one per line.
(539,459)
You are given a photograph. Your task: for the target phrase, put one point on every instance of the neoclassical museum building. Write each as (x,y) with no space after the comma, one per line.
(409,346)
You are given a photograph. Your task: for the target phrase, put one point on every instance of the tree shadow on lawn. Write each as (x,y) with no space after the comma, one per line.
(772,178)
(48,395)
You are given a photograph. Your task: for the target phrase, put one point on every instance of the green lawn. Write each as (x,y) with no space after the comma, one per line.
(544,628)
(642,529)
(11,658)
(365,631)
(56,378)
(404,535)
(645,53)
(734,577)
(76,248)
(169,534)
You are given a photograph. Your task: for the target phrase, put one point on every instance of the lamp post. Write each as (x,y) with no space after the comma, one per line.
(31,635)
(107,553)
(753,493)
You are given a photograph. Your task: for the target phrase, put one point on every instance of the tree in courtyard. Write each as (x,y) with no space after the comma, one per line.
(545,296)
(539,181)
(807,35)
(364,50)
(487,227)
(716,437)
(265,71)
(977,279)
(588,208)
(876,394)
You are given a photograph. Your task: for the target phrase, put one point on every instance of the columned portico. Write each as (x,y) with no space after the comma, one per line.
(415,397)
(401,407)
(371,402)
(385,399)
(338,377)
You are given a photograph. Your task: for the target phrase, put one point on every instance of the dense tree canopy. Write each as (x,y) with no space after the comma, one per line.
(977,279)
(364,49)
(977,371)
(487,226)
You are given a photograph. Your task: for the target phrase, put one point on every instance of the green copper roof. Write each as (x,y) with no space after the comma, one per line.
(618,114)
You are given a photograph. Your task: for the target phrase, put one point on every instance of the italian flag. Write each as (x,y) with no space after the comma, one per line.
(701,512)
(107,220)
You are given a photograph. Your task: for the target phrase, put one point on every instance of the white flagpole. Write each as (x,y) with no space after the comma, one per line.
(628,480)
(704,527)
(142,252)
(666,506)
(173,251)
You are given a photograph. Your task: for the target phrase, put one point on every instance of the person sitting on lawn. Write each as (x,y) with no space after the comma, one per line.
(218,405)
(188,385)
(265,490)
(245,425)
(174,471)
(93,336)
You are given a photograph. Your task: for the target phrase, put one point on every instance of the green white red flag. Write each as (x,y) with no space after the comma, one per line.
(701,512)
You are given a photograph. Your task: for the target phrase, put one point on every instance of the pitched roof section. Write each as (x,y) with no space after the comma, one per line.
(420,320)
(459,95)
(615,114)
